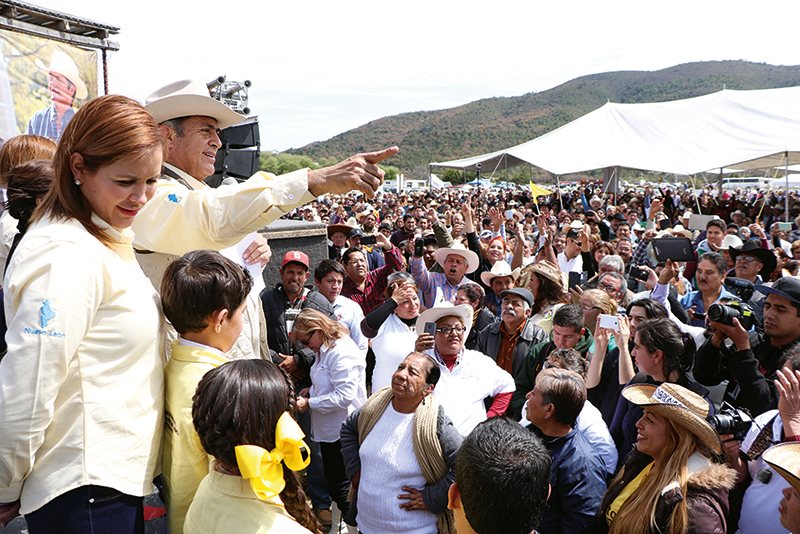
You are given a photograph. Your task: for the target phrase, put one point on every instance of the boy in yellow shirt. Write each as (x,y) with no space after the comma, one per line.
(203,295)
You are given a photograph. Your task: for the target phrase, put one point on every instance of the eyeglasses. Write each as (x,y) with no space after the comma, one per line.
(307,342)
(607,288)
(447,330)
(748,259)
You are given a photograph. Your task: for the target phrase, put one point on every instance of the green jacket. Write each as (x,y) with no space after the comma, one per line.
(533,364)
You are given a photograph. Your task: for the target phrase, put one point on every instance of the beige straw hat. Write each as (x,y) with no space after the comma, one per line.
(785,459)
(549,271)
(680,406)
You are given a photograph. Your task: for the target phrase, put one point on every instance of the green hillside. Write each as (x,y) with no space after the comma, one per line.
(497,123)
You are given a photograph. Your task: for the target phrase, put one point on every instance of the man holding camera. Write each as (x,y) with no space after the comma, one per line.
(754,263)
(710,274)
(750,364)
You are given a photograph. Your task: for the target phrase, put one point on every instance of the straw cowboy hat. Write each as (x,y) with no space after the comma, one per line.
(679,230)
(500,268)
(62,64)
(785,459)
(188,98)
(446,309)
(343,228)
(679,405)
(470,257)
(549,271)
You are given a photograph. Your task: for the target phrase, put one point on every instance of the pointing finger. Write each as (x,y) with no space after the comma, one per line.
(377,157)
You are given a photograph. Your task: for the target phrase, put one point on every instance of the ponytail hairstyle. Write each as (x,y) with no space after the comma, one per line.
(663,334)
(239,403)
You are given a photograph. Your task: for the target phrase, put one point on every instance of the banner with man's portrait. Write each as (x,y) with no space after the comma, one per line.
(42,84)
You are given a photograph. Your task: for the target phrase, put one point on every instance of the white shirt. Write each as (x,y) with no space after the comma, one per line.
(82,386)
(388,463)
(461,391)
(337,388)
(760,503)
(394,341)
(568,266)
(350,314)
(590,423)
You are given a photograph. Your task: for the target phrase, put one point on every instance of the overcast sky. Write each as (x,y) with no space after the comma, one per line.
(320,68)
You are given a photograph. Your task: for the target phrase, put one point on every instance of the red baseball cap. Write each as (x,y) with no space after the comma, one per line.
(295,255)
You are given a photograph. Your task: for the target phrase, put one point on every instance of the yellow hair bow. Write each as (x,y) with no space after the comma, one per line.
(263,468)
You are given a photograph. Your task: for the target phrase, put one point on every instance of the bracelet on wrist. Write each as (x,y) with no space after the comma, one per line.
(791,438)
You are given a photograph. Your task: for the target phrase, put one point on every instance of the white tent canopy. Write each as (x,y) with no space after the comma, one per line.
(741,130)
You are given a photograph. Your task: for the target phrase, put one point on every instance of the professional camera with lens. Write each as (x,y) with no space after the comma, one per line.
(730,420)
(726,313)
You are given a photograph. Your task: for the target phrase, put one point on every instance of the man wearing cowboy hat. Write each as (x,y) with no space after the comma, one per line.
(752,262)
(337,236)
(509,340)
(185,214)
(500,278)
(65,86)
(441,287)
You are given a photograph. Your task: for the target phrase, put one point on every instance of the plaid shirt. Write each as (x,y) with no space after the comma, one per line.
(640,254)
(429,282)
(375,285)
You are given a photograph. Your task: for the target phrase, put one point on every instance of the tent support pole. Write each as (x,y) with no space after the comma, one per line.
(786,195)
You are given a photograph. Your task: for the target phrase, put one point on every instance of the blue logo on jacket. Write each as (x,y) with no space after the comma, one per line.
(47,313)
(172,197)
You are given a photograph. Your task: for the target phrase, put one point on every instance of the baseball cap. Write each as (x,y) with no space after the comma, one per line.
(786,287)
(356,232)
(296,256)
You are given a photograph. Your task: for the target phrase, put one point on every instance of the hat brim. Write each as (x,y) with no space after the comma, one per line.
(472,259)
(432,315)
(642,395)
(176,106)
(344,228)
(764,256)
(488,276)
(554,277)
(785,459)
(766,290)
(80,87)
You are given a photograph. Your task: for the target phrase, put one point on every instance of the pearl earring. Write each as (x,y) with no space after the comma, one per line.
(77,182)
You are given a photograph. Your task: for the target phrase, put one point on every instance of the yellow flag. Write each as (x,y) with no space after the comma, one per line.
(538,191)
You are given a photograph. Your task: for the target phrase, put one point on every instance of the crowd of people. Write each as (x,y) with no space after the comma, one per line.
(464,360)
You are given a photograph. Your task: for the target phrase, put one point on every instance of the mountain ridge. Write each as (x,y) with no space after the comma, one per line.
(496,123)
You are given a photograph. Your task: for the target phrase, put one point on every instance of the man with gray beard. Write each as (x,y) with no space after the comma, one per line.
(508,340)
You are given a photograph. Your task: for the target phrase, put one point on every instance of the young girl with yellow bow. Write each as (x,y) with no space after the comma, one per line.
(241,412)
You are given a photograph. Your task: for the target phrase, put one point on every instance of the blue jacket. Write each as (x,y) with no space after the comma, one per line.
(577,484)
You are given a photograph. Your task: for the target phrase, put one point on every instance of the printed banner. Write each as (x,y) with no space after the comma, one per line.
(42,84)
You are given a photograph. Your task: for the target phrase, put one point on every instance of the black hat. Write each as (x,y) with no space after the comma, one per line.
(618,216)
(356,232)
(786,287)
(764,256)
(521,292)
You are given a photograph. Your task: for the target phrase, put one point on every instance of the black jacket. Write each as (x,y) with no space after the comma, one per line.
(275,304)
(483,320)
(750,373)
(489,342)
